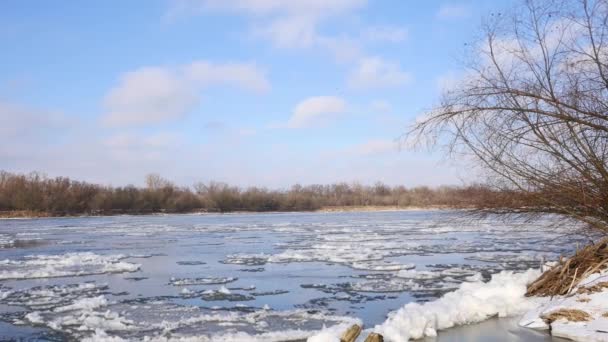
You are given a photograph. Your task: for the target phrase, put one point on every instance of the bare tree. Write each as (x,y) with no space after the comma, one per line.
(532,108)
(154,181)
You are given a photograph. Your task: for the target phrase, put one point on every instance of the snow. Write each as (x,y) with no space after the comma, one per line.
(331,334)
(65,265)
(472,302)
(595,304)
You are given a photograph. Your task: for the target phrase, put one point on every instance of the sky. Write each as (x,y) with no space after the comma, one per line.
(250,92)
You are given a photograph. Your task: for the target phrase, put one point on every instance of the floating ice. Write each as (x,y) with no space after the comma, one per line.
(382,285)
(11,241)
(48,297)
(224,294)
(69,264)
(97,319)
(246,259)
(269,293)
(191,263)
(378,266)
(382,246)
(202,281)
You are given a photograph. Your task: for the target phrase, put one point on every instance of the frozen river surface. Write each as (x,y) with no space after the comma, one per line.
(258,277)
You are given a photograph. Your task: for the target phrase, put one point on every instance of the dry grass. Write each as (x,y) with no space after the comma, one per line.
(599,287)
(572,315)
(561,279)
(23,214)
(605,314)
(584,300)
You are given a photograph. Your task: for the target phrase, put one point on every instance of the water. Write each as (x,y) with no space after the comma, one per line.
(274,276)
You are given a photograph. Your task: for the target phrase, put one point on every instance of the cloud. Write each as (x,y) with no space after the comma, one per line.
(149,95)
(453,11)
(449,81)
(26,123)
(389,34)
(380,106)
(290,32)
(316,110)
(26,131)
(376,147)
(293,7)
(375,72)
(243,75)
(140,147)
(156,94)
(292,24)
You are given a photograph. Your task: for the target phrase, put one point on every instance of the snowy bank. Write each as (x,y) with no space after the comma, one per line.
(472,302)
(580,316)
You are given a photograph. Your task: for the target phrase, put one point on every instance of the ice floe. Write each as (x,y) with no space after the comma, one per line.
(50,296)
(225,294)
(202,281)
(64,265)
(98,319)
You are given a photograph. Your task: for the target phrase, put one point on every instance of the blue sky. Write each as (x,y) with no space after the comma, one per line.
(250,92)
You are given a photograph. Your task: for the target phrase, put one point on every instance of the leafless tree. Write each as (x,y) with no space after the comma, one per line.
(532,108)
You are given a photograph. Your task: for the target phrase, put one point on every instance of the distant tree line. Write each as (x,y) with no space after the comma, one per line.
(36,193)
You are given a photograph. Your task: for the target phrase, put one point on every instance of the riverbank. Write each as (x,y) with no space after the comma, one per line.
(573,296)
(568,301)
(581,315)
(27,214)
(340,209)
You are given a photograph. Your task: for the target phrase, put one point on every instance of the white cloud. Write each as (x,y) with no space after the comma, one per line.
(142,147)
(388,34)
(21,122)
(380,106)
(156,94)
(247,76)
(290,31)
(286,24)
(375,72)
(266,7)
(376,147)
(344,49)
(130,141)
(449,81)
(148,95)
(316,110)
(453,11)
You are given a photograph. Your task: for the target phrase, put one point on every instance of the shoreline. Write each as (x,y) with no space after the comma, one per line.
(25,215)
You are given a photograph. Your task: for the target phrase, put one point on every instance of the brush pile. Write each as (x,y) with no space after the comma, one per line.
(565,276)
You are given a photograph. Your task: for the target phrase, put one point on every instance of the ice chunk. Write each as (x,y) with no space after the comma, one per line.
(202,281)
(69,264)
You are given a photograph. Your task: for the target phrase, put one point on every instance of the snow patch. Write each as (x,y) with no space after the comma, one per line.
(472,302)
(595,304)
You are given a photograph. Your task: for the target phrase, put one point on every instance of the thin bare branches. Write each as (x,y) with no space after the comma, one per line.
(533,108)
